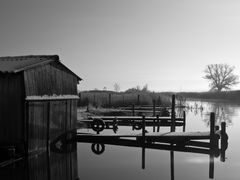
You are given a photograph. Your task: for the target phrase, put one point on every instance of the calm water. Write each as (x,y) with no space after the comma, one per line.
(121,162)
(118,162)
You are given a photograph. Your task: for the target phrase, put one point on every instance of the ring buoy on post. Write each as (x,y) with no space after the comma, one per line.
(98,125)
(98,148)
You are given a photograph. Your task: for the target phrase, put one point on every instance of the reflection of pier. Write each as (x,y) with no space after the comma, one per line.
(191,142)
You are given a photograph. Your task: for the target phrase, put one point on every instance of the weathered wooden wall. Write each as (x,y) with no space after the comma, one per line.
(48,120)
(11,108)
(48,80)
(37,126)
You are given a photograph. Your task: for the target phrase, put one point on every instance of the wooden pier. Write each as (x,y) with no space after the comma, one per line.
(213,135)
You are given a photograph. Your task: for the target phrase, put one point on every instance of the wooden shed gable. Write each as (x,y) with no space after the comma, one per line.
(49,80)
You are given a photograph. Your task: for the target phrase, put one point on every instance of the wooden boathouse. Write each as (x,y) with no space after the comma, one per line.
(38,102)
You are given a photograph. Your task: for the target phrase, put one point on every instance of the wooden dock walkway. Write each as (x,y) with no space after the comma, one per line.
(177,136)
(171,137)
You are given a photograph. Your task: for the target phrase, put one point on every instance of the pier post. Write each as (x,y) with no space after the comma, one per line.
(211,165)
(138,99)
(212,145)
(143,128)
(109,100)
(172,164)
(143,142)
(173,128)
(154,107)
(158,123)
(223,141)
(87,105)
(212,127)
(184,121)
(133,110)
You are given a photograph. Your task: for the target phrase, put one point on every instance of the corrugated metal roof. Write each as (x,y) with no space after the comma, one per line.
(14,64)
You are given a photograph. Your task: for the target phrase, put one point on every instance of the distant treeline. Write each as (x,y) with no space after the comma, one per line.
(116,99)
(233,96)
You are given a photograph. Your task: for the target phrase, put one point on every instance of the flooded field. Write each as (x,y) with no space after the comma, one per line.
(88,161)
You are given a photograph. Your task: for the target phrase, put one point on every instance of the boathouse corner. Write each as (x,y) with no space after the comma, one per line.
(38,102)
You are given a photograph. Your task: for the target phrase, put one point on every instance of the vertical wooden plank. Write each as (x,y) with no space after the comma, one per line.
(133,110)
(154,107)
(173,114)
(138,99)
(184,121)
(212,124)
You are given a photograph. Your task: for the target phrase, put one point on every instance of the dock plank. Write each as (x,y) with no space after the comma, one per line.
(175,135)
(127,118)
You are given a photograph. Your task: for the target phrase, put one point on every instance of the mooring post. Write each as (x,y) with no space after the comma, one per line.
(138,99)
(211,165)
(212,145)
(133,110)
(109,100)
(173,114)
(154,107)
(212,128)
(87,105)
(158,123)
(143,142)
(143,128)
(172,164)
(223,141)
(184,121)
(154,124)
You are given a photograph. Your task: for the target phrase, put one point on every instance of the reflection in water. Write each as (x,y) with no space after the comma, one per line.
(210,148)
(46,166)
(223,111)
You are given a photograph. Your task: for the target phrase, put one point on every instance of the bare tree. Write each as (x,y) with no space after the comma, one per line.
(116,87)
(220,76)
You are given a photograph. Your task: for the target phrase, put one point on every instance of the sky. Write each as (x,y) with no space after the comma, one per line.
(165,44)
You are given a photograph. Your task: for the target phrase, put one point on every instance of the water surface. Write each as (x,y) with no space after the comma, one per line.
(118,162)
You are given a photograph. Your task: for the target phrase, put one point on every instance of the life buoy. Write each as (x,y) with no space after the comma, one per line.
(98,125)
(98,148)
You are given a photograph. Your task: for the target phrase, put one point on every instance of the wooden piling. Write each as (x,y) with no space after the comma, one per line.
(172,164)
(143,128)
(211,166)
(138,99)
(184,121)
(87,105)
(109,100)
(133,110)
(212,127)
(173,114)
(154,107)
(143,156)
(223,141)
(158,124)
(154,123)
